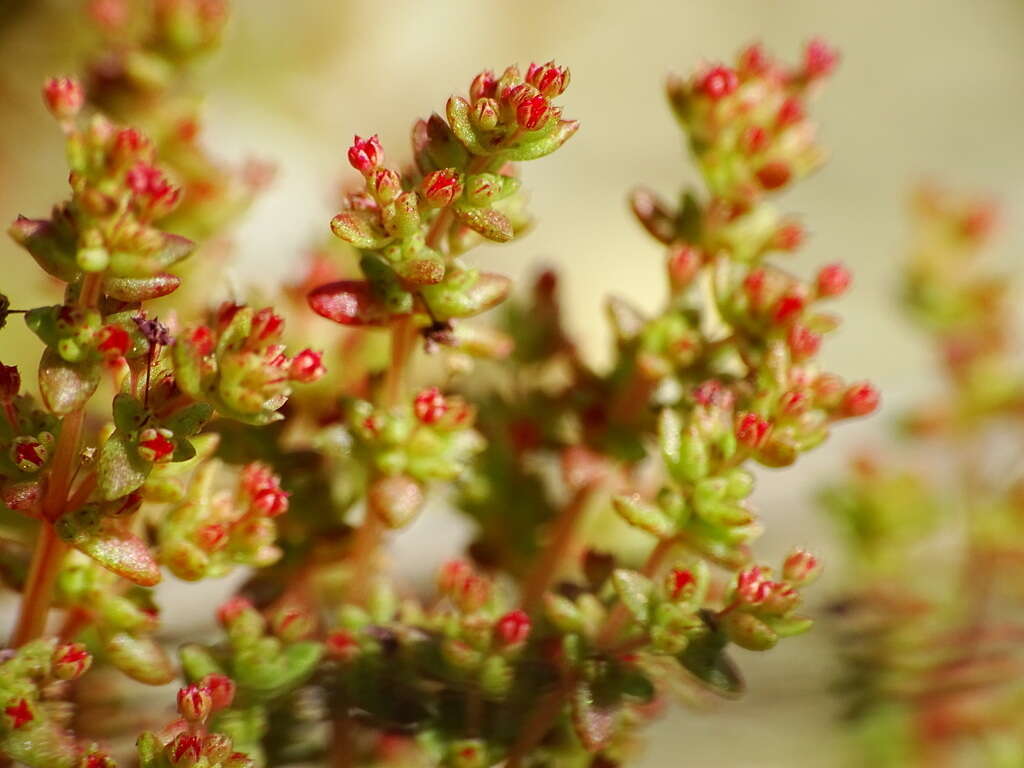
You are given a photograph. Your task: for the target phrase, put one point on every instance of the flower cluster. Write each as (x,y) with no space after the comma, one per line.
(210,532)
(613,560)
(239,365)
(411,227)
(937,671)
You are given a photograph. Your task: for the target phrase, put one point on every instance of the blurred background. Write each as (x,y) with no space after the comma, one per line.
(926,88)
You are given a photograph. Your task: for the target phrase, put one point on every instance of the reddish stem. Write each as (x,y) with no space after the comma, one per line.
(50,549)
(540,578)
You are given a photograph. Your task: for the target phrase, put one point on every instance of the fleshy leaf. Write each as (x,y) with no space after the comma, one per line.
(141,288)
(705,658)
(593,724)
(644,516)
(462,126)
(359,228)
(544,145)
(141,658)
(118,550)
(349,302)
(466,294)
(121,469)
(52,246)
(488,222)
(65,386)
(634,590)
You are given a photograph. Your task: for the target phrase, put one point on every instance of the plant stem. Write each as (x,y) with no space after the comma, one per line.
(540,578)
(50,549)
(537,725)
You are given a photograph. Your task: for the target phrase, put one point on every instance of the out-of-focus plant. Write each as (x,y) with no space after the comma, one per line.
(612,562)
(933,652)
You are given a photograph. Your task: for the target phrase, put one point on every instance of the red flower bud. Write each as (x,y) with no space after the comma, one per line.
(194,703)
(753,286)
(752,585)
(442,187)
(232,609)
(29,454)
(800,567)
(20,713)
(833,280)
(680,584)
(185,750)
(718,82)
(859,400)
(202,340)
(683,263)
(151,188)
(366,155)
(820,59)
(70,661)
(266,325)
(307,366)
(221,689)
(532,112)
(114,342)
(549,79)
(212,538)
(794,402)
(385,184)
(271,502)
(754,140)
(460,582)
(64,97)
(753,60)
(773,175)
(788,308)
(802,342)
(293,624)
(155,444)
(714,393)
(341,645)
(513,628)
(10,382)
(484,86)
(791,112)
(752,430)
(430,405)
(789,236)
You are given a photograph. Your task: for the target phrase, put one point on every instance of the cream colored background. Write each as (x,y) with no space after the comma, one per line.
(926,87)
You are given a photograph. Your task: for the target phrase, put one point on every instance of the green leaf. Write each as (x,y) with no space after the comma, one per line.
(349,302)
(141,288)
(65,386)
(128,264)
(41,744)
(51,244)
(634,590)
(545,145)
(646,517)
(141,658)
(118,550)
(748,631)
(197,662)
(465,294)
(790,625)
(121,470)
(266,679)
(129,413)
(488,222)
(359,228)
(189,420)
(704,657)
(458,111)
